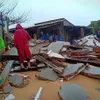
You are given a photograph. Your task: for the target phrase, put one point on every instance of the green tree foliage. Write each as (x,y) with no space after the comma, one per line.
(95,25)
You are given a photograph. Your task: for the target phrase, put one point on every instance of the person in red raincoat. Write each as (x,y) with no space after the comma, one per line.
(21,38)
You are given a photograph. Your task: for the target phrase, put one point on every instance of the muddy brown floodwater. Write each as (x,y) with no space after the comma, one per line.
(50,89)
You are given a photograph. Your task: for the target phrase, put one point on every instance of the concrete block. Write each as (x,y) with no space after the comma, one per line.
(48,74)
(15,80)
(72,92)
(19,80)
(7,88)
(55,47)
(72,70)
(92,72)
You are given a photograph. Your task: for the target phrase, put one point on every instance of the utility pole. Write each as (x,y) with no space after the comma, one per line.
(2,32)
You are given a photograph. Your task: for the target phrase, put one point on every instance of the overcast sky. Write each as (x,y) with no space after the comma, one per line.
(78,12)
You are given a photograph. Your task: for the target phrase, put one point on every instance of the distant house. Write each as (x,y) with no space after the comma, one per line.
(50,27)
(58,26)
(76,32)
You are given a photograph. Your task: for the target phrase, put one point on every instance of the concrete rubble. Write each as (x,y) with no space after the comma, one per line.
(72,70)
(48,74)
(92,72)
(15,80)
(56,46)
(6,88)
(52,55)
(68,92)
(18,80)
(89,41)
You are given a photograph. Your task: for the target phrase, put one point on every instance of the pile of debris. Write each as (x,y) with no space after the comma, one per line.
(8,80)
(56,60)
(49,59)
(54,56)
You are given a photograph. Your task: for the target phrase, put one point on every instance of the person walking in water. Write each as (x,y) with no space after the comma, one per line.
(21,38)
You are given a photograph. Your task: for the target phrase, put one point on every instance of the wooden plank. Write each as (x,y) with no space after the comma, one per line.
(53,66)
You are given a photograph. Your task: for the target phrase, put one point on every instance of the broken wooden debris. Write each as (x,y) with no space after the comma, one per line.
(84,60)
(50,64)
(72,70)
(48,74)
(35,65)
(72,92)
(57,63)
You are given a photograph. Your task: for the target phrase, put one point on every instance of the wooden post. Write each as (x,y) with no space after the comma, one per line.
(1,30)
(2,26)
(82,33)
(6,26)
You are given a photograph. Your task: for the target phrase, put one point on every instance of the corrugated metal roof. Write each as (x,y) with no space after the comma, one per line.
(52,22)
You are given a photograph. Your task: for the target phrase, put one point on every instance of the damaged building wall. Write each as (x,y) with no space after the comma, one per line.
(76,32)
(59,26)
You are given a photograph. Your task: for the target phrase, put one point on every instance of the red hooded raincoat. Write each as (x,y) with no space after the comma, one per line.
(21,38)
